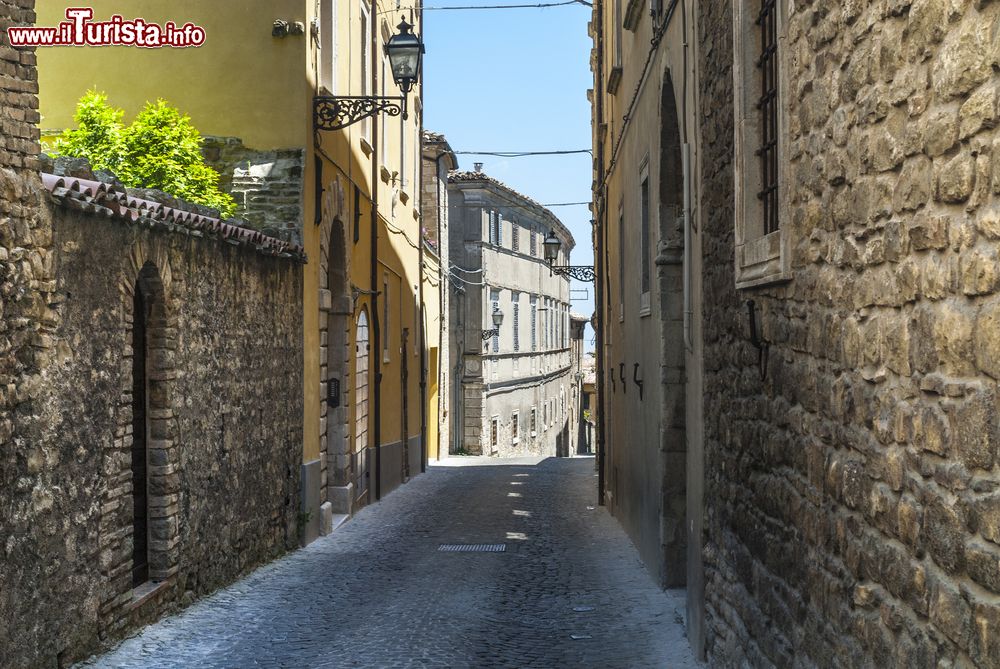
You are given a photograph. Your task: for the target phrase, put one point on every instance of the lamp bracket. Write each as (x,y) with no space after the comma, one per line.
(578,272)
(489,334)
(334,112)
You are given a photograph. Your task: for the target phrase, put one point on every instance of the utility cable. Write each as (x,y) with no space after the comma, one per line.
(522,154)
(473,7)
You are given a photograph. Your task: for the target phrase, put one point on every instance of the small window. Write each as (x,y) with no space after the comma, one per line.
(516,310)
(644,245)
(494,434)
(534,421)
(621,262)
(515,432)
(385,318)
(534,323)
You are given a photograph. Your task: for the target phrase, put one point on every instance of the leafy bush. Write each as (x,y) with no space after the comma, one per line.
(160,149)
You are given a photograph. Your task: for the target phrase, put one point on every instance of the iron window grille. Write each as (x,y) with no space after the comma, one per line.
(767,105)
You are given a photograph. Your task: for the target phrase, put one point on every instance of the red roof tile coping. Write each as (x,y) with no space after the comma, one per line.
(101,199)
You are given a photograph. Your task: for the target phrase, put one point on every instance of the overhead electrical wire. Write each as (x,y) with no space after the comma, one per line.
(522,154)
(475,7)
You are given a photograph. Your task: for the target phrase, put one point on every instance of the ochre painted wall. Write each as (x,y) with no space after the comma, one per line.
(241,82)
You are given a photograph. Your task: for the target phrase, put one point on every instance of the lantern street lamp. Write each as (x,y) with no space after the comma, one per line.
(497,320)
(405,52)
(578,272)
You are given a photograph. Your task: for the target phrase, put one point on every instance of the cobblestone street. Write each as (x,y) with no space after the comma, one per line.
(568,592)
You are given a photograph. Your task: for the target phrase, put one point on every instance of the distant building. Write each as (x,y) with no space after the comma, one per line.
(513,389)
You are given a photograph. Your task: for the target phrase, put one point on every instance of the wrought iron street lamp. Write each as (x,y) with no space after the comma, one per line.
(497,320)
(578,272)
(405,52)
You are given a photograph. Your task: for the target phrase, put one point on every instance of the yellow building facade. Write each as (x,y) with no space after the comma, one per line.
(350,196)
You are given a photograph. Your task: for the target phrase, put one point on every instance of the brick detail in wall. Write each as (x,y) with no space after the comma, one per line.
(853,515)
(267,185)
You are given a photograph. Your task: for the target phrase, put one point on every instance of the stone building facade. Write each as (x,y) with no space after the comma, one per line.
(145,467)
(513,390)
(850,428)
(437,160)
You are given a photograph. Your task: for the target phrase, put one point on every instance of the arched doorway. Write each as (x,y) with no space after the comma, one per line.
(671,288)
(335,367)
(362,346)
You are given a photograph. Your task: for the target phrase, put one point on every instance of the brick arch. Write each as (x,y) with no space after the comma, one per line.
(144,284)
(336,315)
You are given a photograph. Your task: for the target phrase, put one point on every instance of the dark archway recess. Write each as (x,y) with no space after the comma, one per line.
(670,280)
(140,395)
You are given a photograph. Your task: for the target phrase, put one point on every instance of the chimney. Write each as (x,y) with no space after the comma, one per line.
(478,166)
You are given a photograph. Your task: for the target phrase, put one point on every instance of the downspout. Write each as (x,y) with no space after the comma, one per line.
(423,322)
(418,188)
(601,242)
(376,354)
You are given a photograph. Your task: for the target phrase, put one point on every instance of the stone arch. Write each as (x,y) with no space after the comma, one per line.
(336,316)
(670,284)
(146,421)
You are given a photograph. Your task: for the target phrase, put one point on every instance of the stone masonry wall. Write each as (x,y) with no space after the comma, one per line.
(225,340)
(853,495)
(267,185)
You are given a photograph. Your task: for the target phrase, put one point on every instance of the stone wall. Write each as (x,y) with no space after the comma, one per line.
(224,339)
(267,185)
(853,499)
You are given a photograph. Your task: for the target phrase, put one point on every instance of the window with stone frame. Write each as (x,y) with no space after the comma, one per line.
(645,252)
(534,323)
(621,261)
(761,234)
(534,421)
(515,431)
(515,307)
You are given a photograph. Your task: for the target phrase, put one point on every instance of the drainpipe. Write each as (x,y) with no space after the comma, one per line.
(601,242)
(423,323)
(376,353)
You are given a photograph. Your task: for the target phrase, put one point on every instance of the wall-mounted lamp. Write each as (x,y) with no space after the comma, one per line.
(497,320)
(551,246)
(405,52)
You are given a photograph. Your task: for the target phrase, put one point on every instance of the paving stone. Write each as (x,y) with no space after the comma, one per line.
(378,593)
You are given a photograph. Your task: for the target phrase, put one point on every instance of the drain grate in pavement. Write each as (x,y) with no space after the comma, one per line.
(472,548)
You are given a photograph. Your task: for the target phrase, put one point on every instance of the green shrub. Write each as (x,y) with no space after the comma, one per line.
(160,149)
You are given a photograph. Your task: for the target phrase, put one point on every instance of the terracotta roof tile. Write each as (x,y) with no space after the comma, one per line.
(111,201)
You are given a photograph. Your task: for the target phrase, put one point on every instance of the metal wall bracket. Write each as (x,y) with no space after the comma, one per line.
(337,112)
(635,378)
(578,272)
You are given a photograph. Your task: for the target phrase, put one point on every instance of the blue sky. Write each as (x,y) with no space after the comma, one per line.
(517,80)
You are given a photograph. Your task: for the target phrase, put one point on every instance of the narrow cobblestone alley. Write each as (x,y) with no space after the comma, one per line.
(568,592)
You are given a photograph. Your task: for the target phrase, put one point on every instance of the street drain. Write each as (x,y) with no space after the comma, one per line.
(472,548)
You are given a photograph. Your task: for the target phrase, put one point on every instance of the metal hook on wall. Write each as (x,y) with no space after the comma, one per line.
(757,342)
(612,375)
(621,375)
(635,378)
